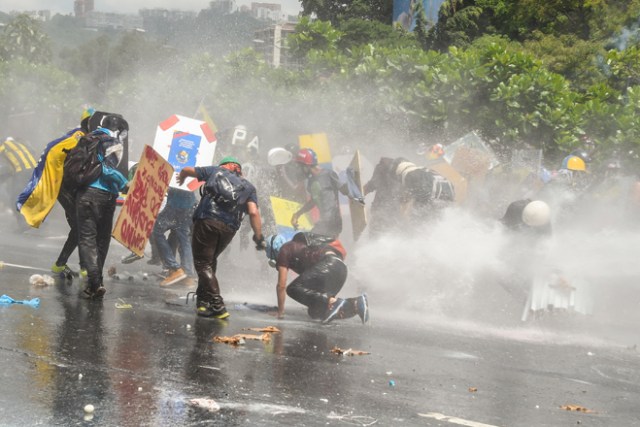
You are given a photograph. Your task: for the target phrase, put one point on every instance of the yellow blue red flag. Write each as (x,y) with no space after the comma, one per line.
(37,199)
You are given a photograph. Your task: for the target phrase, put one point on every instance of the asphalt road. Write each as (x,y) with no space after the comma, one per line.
(145,365)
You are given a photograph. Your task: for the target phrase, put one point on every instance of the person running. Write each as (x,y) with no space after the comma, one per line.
(226,198)
(47,185)
(176,217)
(319,262)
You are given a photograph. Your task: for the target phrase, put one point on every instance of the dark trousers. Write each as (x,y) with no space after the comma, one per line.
(210,238)
(68,202)
(94,210)
(317,284)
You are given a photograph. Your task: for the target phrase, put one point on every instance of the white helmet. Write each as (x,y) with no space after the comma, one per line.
(536,214)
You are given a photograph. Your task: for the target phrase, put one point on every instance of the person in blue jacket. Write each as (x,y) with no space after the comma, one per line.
(96,203)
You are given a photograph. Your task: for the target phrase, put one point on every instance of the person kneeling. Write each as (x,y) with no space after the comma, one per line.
(319,262)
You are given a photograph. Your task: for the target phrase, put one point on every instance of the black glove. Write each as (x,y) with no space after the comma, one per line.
(261,245)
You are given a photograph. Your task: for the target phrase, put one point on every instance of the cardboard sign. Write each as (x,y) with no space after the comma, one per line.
(140,209)
(185,142)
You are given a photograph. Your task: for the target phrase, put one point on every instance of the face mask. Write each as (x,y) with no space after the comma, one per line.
(116,150)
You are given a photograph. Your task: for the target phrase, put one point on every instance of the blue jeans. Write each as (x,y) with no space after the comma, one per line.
(178,220)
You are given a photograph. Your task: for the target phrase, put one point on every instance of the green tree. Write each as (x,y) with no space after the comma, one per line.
(336,11)
(357,32)
(313,35)
(24,39)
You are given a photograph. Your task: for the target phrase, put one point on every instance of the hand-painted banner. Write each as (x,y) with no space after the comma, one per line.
(146,192)
(185,142)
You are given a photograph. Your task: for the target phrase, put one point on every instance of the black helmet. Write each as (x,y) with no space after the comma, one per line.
(113,122)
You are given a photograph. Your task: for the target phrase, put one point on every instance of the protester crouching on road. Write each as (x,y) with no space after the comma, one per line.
(319,262)
(226,198)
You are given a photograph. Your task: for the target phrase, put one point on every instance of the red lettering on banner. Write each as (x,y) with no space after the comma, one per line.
(131,237)
(138,215)
(163,175)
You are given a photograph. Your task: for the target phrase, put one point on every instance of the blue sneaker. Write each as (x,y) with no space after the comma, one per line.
(334,311)
(362,308)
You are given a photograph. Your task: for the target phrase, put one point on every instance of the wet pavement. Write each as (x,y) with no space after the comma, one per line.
(143,365)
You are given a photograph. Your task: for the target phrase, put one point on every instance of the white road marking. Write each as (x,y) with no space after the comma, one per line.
(454,420)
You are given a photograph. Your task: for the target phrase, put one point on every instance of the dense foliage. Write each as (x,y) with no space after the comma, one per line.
(528,73)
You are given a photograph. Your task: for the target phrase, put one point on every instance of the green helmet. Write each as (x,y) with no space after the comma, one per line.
(229,159)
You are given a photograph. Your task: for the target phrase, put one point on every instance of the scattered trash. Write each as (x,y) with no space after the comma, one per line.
(577,408)
(589,353)
(213,368)
(356,420)
(88,417)
(188,326)
(206,404)
(139,388)
(79,376)
(112,271)
(123,304)
(473,389)
(41,280)
(392,383)
(256,307)
(7,300)
(324,400)
(348,352)
(271,329)
(389,373)
(26,267)
(240,339)
(88,409)
(125,275)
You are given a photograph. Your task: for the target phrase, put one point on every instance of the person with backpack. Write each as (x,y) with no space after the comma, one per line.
(46,186)
(226,198)
(91,168)
(323,186)
(319,262)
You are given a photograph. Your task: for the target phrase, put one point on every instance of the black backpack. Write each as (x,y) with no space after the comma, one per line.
(226,189)
(82,166)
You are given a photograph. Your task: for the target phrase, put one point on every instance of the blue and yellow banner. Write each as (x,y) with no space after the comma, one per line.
(37,199)
(283,210)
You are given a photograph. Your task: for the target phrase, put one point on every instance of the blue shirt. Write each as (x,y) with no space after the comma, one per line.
(180,199)
(111,179)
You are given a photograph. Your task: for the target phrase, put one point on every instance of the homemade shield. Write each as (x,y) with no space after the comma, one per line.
(185,142)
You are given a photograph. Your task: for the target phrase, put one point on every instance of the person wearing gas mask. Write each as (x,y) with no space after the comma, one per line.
(96,202)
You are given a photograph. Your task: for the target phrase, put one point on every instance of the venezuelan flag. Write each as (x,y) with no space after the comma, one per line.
(37,199)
